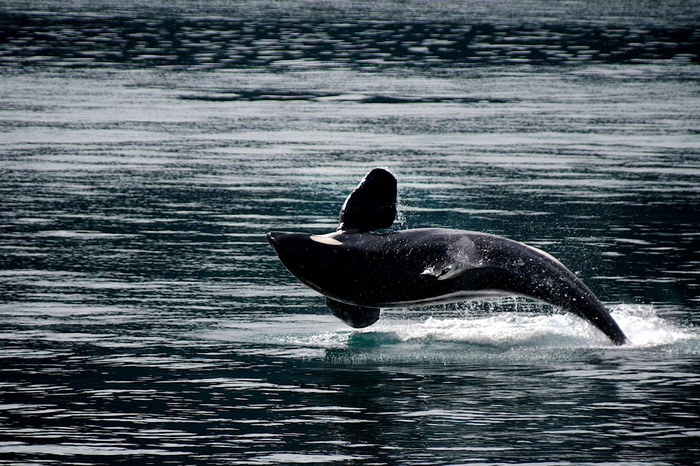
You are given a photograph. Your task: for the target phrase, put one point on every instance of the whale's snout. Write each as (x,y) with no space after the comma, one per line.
(290,247)
(282,240)
(273,238)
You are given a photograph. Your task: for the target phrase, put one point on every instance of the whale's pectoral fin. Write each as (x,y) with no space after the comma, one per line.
(354,316)
(372,205)
(444,272)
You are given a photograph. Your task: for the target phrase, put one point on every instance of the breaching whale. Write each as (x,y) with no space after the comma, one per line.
(360,271)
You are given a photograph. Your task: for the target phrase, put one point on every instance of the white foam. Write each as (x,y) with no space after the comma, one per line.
(464,334)
(645,328)
(641,323)
(499,329)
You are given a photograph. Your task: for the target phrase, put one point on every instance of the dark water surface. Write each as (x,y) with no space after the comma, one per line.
(144,319)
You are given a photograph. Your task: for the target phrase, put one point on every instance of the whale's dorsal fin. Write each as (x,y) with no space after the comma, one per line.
(372,205)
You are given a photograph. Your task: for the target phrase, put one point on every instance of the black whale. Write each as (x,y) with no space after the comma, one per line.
(360,272)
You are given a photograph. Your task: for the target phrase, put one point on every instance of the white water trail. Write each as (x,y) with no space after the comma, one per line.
(641,323)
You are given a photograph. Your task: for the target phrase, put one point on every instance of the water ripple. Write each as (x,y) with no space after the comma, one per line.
(63,40)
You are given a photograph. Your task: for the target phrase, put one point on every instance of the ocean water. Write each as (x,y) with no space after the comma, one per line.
(145,150)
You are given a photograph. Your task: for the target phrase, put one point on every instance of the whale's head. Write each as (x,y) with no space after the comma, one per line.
(325,262)
(308,257)
(290,246)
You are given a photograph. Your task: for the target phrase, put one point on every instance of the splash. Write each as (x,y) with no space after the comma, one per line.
(641,323)
(482,339)
(646,328)
(505,330)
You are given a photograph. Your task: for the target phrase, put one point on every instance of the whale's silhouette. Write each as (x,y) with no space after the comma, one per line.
(359,272)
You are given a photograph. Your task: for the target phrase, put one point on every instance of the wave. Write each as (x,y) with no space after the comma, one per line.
(284,95)
(77,40)
(641,323)
(503,330)
(508,337)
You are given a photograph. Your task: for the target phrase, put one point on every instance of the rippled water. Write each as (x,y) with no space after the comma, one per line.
(145,319)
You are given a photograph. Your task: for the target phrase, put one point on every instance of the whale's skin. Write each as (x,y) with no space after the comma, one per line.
(420,267)
(360,271)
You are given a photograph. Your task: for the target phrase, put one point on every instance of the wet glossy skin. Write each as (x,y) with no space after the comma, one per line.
(428,266)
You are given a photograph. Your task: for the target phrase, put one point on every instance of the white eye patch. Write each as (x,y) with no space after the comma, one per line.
(326,240)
